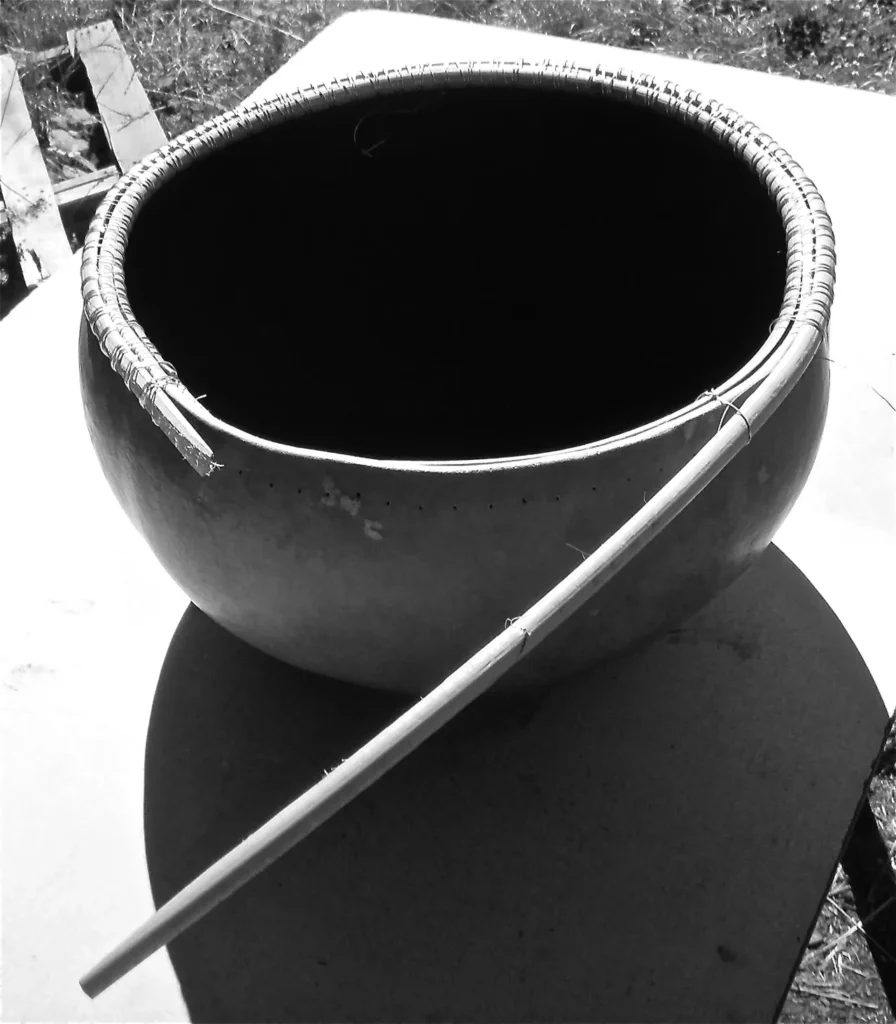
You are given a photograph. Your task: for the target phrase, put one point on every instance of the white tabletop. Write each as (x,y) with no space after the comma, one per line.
(717,800)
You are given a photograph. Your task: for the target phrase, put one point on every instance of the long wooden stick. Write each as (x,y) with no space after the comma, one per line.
(475,676)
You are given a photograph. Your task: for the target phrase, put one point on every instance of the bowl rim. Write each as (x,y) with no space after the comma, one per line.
(810,258)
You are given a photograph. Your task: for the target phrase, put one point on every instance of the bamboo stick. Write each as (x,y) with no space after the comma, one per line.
(474,677)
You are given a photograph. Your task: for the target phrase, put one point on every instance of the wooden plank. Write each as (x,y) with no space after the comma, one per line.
(88,188)
(35,58)
(37,230)
(130,123)
(55,53)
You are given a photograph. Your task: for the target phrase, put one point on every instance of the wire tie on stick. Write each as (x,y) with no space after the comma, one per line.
(512,622)
(730,405)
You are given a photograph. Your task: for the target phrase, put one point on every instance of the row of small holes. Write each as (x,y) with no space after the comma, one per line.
(420,507)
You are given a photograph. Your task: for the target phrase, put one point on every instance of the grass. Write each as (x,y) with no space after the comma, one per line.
(197,58)
(838,979)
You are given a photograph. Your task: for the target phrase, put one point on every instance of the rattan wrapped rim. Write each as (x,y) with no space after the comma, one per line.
(808,291)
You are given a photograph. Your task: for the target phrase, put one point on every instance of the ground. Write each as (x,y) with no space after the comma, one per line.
(197,58)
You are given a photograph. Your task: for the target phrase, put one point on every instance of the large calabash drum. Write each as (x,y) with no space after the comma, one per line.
(398,351)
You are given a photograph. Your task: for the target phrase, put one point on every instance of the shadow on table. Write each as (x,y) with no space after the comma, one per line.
(647,842)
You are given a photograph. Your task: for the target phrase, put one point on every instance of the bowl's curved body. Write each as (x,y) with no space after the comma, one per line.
(391,573)
(392,577)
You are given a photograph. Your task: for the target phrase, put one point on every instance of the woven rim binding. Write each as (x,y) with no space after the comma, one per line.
(809,285)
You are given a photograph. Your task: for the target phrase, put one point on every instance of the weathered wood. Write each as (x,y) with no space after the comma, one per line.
(88,186)
(30,202)
(74,191)
(28,59)
(131,126)
(37,229)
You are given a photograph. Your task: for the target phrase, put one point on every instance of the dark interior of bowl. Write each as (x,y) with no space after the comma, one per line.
(468,273)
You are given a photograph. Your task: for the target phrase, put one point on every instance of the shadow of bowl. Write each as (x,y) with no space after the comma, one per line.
(649,841)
